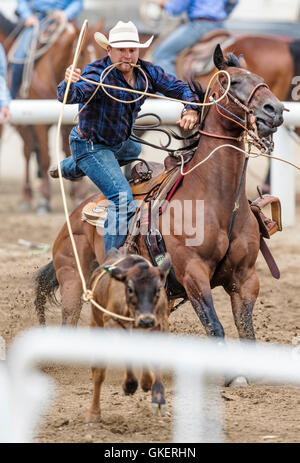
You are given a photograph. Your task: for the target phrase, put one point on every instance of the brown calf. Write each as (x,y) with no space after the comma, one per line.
(135,289)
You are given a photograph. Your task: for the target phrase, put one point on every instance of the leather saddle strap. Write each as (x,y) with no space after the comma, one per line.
(269,259)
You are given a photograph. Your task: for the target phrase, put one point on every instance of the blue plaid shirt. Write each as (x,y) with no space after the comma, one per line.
(107,121)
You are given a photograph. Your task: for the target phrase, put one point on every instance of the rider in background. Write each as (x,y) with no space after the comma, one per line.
(203,17)
(4,92)
(32,12)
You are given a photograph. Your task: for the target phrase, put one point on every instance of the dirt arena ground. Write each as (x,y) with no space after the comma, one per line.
(258,413)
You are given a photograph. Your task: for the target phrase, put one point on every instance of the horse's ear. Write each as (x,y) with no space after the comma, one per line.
(242,62)
(218,57)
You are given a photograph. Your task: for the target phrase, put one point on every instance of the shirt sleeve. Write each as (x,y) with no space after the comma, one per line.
(175,7)
(74,8)
(81,91)
(169,85)
(24,9)
(4,92)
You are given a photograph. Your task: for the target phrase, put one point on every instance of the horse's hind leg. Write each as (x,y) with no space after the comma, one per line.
(68,277)
(71,300)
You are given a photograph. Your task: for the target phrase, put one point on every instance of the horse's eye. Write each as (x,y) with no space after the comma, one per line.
(234,82)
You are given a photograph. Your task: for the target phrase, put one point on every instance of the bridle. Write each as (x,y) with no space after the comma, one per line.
(250,127)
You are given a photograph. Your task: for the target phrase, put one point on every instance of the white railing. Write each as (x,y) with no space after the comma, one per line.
(25,392)
(282,175)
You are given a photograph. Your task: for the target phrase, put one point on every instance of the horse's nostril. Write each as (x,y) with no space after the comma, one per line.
(146,322)
(269,109)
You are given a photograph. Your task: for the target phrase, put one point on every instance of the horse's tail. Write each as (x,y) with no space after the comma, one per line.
(295,52)
(46,285)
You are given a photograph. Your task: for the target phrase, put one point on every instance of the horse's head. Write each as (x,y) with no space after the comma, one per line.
(248,94)
(144,289)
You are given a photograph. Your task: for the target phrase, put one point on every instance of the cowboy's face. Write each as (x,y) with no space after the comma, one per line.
(126,56)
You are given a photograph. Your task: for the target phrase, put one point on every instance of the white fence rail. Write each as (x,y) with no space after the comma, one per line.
(282,175)
(24,392)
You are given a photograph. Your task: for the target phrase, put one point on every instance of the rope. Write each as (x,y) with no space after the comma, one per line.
(144,93)
(87,294)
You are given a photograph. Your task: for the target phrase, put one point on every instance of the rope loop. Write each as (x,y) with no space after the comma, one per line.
(87,295)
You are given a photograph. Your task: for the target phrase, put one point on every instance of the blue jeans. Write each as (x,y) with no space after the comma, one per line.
(184,36)
(100,163)
(22,52)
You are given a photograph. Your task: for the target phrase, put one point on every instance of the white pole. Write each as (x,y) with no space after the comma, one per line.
(47,111)
(283,175)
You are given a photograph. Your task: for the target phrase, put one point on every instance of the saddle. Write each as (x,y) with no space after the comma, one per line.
(198,60)
(148,179)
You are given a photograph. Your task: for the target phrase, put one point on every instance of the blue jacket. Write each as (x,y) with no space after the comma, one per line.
(4,92)
(211,9)
(27,8)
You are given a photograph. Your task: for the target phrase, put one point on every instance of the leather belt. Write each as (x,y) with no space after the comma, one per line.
(81,134)
(206,19)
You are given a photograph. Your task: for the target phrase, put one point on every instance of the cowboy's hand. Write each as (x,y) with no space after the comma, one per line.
(161,3)
(75,75)
(59,15)
(188,120)
(4,114)
(31,21)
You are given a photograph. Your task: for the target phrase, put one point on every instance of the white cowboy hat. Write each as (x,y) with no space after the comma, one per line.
(123,35)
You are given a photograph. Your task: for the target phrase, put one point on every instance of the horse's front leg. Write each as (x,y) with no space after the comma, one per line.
(93,414)
(243,294)
(197,285)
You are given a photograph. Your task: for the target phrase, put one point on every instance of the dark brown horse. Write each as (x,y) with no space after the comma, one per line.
(48,72)
(217,260)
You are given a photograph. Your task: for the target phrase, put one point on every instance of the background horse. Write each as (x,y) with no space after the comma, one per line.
(48,72)
(219,259)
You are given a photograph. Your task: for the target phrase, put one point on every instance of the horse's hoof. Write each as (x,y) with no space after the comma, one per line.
(158,409)
(239,381)
(43,207)
(25,207)
(130,387)
(92,417)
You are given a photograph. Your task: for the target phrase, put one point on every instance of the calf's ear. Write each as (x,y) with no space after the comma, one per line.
(115,272)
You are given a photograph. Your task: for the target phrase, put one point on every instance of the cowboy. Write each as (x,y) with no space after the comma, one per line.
(32,13)
(203,17)
(4,92)
(101,143)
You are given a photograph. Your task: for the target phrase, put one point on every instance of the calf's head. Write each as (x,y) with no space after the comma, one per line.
(144,289)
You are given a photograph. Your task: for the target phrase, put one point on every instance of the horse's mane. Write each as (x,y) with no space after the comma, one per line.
(6,25)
